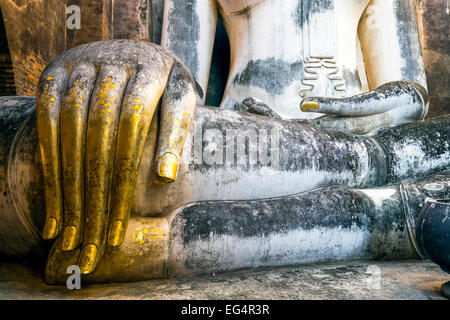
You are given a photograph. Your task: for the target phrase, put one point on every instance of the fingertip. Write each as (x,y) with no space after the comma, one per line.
(167,167)
(309,106)
(70,239)
(50,229)
(88,259)
(116,234)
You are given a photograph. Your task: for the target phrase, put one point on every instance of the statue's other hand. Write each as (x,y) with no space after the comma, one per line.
(94,107)
(390,104)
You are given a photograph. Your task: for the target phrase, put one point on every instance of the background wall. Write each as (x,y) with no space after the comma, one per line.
(36,32)
(96,22)
(434,25)
(136,17)
(7,83)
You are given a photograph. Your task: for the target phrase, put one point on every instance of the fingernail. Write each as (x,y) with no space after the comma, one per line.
(168,167)
(117,234)
(49,229)
(310,106)
(88,259)
(70,238)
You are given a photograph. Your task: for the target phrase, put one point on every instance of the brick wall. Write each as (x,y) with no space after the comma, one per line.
(132,19)
(35,30)
(27,73)
(7,83)
(96,22)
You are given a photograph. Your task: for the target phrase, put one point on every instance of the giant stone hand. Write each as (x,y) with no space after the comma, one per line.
(389,104)
(95,104)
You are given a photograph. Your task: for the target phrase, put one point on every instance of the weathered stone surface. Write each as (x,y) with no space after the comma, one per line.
(321,225)
(34,42)
(105,29)
(446,289)
(432,232)
(434,23)
(355,280)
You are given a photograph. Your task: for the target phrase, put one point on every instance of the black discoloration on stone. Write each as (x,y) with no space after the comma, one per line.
(418,192)
(328,208)
(271,75)
(305,8)
(407,33)
(220,67)
(184,30)
(29,154)
(432,232)
(445,289)
(180,82)
(301,148)
(156,11)
(318,6)
(322,209)
(352,78)
(14,111)
(431,138)
(343,158)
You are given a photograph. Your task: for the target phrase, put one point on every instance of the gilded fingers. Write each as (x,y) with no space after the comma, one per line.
(102,128)
(89,258)
(48,105)
(308,106)
(178,107)
(168,167)
(138,107)
(74,114)
(92,138)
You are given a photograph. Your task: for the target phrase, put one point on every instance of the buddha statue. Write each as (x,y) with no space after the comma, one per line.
(324,102)
(308,53)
